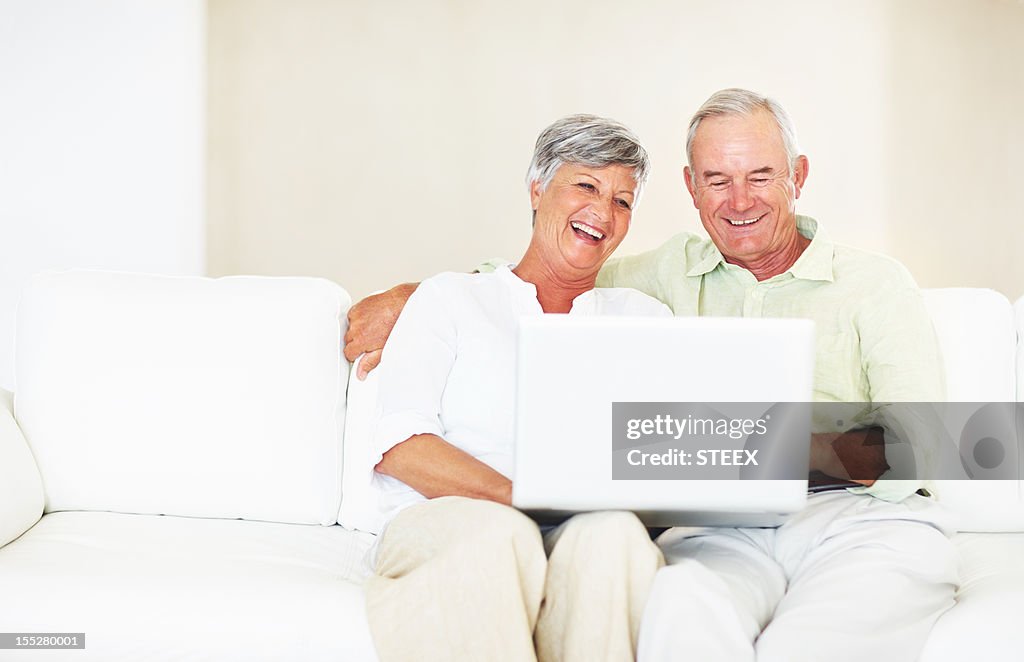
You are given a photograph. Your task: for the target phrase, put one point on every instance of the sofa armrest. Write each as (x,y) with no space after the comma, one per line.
(21,488)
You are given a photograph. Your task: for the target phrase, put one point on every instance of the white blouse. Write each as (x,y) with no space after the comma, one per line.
(449,366)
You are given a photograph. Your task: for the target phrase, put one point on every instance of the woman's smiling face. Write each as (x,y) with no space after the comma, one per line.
(583,214)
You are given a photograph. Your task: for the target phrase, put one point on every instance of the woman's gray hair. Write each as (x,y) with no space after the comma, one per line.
(736,101)
(591,141)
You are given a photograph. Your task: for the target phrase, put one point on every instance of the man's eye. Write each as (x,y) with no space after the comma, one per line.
(587,186)
(719,185)
(760,182)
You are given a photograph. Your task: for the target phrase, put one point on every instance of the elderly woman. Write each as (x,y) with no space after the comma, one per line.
(459,573)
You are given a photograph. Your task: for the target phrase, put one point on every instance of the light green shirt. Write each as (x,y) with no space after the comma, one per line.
(874,338)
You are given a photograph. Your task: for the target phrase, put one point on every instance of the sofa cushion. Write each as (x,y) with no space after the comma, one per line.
(184,396)
(975,328)
(984,625)
(976,335)
(144,587)
(21,491)
(359,508)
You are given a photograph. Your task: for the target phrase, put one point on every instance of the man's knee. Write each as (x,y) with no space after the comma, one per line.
(689,580)
(922,551)
(917,548)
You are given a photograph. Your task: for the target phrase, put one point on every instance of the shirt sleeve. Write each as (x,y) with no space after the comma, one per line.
(899,348)
(902,362)
(639,272)
(491,265)
(414,369)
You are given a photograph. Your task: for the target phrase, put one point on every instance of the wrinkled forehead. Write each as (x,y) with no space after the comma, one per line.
(738,144)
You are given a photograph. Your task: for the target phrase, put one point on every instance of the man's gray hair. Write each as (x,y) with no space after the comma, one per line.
(591,141)
(736,101)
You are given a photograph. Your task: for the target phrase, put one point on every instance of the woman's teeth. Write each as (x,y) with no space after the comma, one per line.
(586,229)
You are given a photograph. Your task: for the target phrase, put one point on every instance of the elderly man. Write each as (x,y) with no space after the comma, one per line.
(865,570)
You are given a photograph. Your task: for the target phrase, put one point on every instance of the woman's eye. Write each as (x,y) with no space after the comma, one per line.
(622,203)
(587,186)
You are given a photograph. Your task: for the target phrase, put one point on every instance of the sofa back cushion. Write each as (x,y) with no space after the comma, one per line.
(978,341)
(359,509)
(184,396)
(21,490)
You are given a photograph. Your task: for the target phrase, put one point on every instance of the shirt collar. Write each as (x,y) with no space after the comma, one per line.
(815,263)
(583,303)
(504,272)
(707,260)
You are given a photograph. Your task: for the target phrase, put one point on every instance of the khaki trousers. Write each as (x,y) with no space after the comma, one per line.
(466,579)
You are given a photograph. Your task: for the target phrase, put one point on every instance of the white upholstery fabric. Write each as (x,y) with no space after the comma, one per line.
(21,490)
(145,587)
(985,624)
(1019,310)
(359,500)
(976,335)
(184,396)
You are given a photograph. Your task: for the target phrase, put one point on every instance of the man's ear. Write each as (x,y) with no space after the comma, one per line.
(690,186)
(800,173)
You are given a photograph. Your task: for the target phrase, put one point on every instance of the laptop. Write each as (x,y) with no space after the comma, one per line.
(686,421)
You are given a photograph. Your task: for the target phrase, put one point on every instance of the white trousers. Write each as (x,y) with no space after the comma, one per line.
(850,578)
(463,579)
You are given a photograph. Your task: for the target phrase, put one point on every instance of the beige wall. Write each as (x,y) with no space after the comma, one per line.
(954,93)
(375,142)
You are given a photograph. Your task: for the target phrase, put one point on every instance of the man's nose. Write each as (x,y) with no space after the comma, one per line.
(739,196)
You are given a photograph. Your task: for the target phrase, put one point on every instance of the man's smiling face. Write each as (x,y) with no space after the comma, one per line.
(741,183)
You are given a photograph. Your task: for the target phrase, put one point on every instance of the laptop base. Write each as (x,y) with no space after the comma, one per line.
(662,518)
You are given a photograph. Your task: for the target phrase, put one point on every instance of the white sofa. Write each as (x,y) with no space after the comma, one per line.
(172,472)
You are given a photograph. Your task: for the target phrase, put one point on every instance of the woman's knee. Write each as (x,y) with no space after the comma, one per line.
(488,524)
(613,537)
(606,527)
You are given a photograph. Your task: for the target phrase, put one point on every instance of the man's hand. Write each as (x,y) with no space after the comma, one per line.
(369,324)
(857,455)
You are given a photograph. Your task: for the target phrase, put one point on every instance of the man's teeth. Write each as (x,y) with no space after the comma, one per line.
(747,221)
(579,227)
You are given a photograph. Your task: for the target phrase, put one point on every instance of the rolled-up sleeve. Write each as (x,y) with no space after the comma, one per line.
(414,370)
